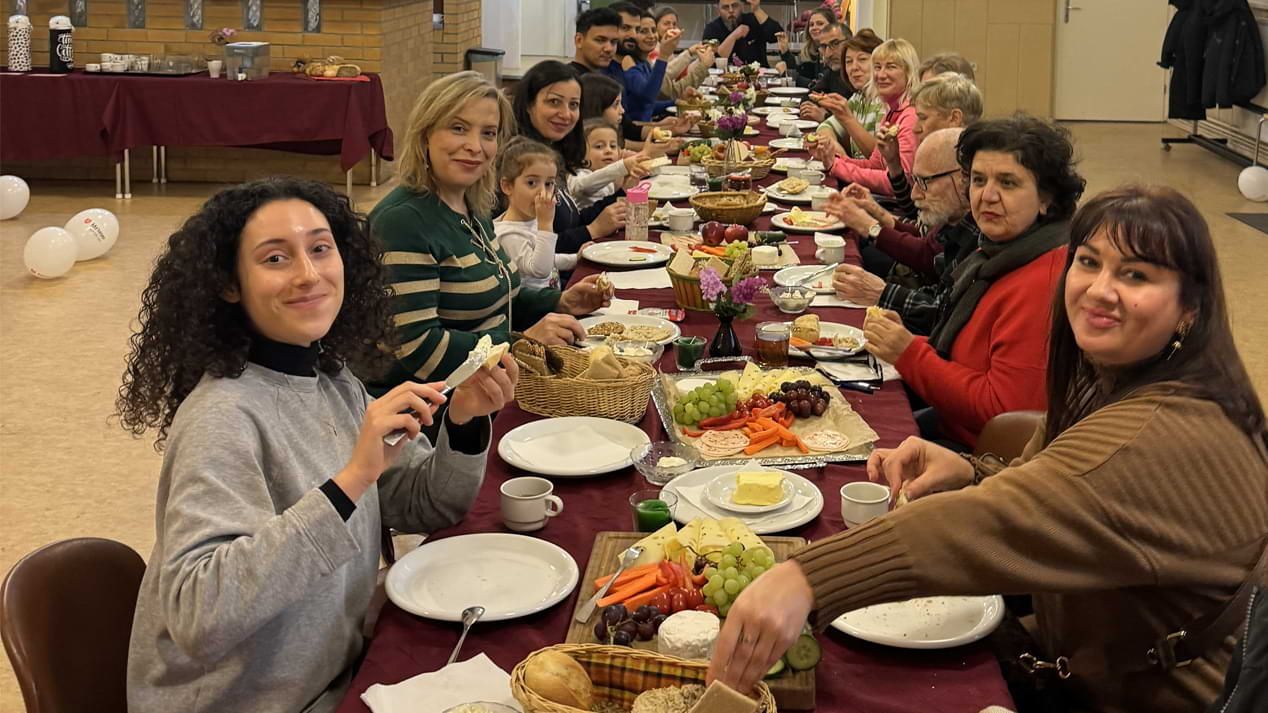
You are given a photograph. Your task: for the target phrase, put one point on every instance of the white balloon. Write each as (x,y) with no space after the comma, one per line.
(95,230)
(14,195)
(1253,183)
(50,252)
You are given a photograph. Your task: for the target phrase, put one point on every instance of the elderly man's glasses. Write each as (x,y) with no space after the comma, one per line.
(922,182)
(834,44)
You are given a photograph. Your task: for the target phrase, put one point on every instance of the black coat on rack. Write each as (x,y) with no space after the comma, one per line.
(1234,68)
(1183,52)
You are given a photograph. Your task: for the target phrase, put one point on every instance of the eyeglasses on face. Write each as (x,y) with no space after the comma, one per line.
(922,182)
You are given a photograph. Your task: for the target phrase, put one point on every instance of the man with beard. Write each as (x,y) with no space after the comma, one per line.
(832,81)
(761,29)
(642,78)
(941,195)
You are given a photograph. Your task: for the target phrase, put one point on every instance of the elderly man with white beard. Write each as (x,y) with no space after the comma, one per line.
(944,235)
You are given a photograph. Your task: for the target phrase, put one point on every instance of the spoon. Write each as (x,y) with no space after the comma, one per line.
(627,559)
(470,615)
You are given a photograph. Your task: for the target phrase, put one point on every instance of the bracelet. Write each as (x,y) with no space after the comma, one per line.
(985,466)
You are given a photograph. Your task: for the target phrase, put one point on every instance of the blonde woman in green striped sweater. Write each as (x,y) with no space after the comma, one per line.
(451,280)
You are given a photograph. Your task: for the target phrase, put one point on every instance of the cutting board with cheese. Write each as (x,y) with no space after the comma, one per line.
(792,691)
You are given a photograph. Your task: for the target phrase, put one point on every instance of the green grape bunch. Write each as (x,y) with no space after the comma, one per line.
(735,571)
(705,401)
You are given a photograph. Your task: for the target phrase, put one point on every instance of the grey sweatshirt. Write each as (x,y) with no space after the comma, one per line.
(255,593)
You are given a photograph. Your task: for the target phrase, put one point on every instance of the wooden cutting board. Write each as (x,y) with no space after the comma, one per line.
(795,691)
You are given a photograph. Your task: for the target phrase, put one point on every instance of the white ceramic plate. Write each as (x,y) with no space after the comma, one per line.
(925,623)
(832,329)
(789,276)
(760,524)
(671,190)
(622,253)
(778,121)
(782,101)
(781,221)
(784,164)
(721,492)
(509,575)
(769,110)
(789,91)
(803,198)
(632,320)
(787,143)
(571,446)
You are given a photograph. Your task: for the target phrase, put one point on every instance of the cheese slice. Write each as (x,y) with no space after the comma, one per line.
(712,537)
(721,698)
(737,531)
(758,488)
(654,545)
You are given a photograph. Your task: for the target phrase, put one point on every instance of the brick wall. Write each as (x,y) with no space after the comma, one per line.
(392,37)
(461,32)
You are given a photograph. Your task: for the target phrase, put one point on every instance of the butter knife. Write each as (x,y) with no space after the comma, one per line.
(465,371)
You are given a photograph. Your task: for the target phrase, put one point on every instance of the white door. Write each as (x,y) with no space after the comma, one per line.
(1107,60)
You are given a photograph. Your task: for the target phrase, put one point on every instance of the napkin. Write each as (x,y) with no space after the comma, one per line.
(476,679)
(694,494)
(576,445)
(834,301)
(654,278)
(853,371)
(619,306)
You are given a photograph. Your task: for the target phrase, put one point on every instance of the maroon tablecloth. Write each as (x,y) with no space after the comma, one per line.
(80,114)
(852,676)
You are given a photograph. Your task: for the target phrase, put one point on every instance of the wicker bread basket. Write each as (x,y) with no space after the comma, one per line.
(687,287)
(563,394)
(759,168)
(715,205)
(619,674)
(707,129)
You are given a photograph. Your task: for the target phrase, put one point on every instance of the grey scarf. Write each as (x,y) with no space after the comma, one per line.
(978,271)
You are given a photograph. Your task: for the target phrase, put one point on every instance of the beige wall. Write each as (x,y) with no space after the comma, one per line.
(1010,42)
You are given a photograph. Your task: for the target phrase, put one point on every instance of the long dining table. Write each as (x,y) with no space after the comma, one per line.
(853,675)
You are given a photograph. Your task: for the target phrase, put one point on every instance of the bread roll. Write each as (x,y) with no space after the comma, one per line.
(559,678)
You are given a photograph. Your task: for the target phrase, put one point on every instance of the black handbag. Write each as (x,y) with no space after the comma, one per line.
(1246,686)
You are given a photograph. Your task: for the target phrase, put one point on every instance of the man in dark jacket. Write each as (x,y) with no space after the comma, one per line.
(761,29)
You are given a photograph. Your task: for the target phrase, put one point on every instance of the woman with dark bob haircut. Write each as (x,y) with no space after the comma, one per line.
(1136,516)
(547,107)
(986,353)
(276,479)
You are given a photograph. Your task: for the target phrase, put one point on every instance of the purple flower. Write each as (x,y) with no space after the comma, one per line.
(736,97)
(711,287)
(743,292)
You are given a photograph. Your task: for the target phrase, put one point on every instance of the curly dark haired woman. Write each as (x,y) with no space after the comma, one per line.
(276,478)
(987,352)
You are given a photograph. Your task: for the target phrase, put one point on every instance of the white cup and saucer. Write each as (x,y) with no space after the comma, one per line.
(528,503)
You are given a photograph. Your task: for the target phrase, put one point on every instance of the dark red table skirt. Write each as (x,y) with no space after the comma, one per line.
(853,675)
(44,117)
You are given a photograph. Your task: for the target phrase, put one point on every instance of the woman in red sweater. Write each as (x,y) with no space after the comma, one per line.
(988,350)
(895,76)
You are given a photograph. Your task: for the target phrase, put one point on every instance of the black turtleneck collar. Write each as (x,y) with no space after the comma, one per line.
(286,358)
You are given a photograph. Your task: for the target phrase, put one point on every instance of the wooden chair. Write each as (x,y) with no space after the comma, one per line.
(1007,434)
(66,618)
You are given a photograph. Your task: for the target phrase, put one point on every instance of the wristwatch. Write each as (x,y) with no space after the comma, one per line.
(874,231)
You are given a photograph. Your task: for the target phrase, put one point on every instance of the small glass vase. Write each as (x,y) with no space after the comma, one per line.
(726,343)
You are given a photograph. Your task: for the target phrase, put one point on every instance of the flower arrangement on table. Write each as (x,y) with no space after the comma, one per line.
(731,303)
(730,126)
(223,36)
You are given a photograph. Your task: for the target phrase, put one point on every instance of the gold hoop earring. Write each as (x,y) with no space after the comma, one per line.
(1182,331)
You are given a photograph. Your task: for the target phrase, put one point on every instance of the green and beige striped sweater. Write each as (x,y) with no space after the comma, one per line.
(448,291)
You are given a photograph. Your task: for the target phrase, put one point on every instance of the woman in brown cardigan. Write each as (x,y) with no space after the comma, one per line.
(1140,506)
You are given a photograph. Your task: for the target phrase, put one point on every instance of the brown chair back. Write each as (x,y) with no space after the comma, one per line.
(1007,434)
(66,618)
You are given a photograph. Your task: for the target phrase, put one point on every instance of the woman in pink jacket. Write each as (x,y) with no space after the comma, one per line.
(895,76)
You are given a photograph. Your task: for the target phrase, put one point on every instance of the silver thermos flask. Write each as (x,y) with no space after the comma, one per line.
(61,45)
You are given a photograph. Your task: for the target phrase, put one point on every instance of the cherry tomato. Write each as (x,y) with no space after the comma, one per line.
(709,608)
(661,602)
(694,598)
(678,598)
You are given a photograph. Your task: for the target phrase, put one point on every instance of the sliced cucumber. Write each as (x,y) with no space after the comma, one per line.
(804,653)
(777,669)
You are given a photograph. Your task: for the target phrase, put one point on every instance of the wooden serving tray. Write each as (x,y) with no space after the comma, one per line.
(795,691)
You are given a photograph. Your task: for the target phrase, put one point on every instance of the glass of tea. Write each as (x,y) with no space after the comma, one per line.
(772,344)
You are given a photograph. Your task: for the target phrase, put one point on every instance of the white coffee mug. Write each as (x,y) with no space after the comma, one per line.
(527,503)
(831,248)
(819,197)
(720,63)
(809,175)
(681,219)
(863,501)
(92,67)
(213,68)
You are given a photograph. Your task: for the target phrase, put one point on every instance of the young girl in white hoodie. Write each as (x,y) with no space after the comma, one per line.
(527,172)
(607,169)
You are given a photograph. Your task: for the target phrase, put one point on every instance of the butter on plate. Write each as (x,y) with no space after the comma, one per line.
(758,488)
